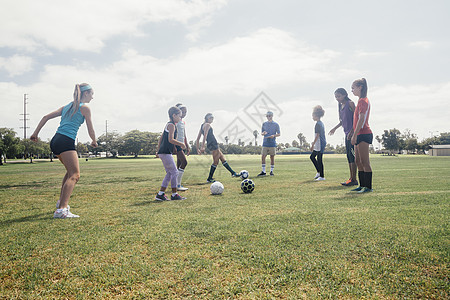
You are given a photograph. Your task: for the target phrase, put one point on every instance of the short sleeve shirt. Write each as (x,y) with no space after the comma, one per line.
(363,107)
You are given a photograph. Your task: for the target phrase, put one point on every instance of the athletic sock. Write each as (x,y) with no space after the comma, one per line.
(226,165)
(180,176)
(264,168)
(173,194)
(362,182)
(368,176)
(211,171)
(160,193)
(272,167)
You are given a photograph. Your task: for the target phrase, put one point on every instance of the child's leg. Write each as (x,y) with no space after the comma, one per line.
(171,171)
(359,165)
(70,162)
(363,148)
(320,163)
(181,165)
(314,161)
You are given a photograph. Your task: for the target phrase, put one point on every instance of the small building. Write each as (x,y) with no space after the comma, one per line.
(439,150)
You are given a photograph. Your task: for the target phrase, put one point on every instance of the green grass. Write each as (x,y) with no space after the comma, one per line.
(291,238)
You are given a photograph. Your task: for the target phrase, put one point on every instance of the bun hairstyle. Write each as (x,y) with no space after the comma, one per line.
(173,111)
(363,84)
(78,94)
(208,115)
(318,111)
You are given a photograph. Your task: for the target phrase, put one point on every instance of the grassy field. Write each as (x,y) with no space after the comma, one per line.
(291,238)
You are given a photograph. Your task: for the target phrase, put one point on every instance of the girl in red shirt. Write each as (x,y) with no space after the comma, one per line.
(362,136)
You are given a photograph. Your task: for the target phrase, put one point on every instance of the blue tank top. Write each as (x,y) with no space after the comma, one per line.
(69,124)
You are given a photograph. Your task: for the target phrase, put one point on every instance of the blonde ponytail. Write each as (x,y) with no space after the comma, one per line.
(77,95)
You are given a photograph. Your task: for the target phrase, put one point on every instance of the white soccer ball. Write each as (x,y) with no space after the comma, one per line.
(216,188)
(244,174)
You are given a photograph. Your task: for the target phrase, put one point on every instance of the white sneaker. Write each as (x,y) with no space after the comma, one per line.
(320,178)
(181,188)
(317,175)
(64,213)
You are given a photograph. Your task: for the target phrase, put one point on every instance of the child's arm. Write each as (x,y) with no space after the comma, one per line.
(197,141)
(56,113)
(171,128)
(159,144)
(206,128)
(334,128)
(188,149)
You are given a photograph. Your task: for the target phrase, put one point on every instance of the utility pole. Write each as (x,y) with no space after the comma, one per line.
(25,116)
(106,137)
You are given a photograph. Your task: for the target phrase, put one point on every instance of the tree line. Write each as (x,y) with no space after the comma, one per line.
(137,142)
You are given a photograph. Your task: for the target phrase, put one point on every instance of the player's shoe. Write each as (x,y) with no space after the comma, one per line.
(235,175)
(210,180)
(357,189)
(271,173)
(261,174)
(320,178)
(365,190)
(353,182)
(177,197)
(317,175)
(181,188)
(162,197)
(64,213)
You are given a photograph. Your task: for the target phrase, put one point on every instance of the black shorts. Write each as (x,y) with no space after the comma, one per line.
(350,149)
(178,148)
(368,138)
(61,143)
(212,146)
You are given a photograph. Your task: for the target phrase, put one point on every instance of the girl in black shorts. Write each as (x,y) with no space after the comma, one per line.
(63,143)
(211,143)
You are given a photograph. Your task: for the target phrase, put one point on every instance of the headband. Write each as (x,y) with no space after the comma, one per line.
(85,87)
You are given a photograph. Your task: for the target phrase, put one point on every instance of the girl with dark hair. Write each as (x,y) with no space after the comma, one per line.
(63,142)
(346,108)
(319,143)
(362,136)
(211,143)
(166,144)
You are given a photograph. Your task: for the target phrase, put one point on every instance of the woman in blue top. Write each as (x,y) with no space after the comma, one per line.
(63,142)
(319,143)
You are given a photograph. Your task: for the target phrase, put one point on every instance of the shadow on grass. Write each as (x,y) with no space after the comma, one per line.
(15,186)
(32,218)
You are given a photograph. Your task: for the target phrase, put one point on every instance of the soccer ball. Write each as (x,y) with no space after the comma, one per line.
(247,186)
(244,174)
(216,188)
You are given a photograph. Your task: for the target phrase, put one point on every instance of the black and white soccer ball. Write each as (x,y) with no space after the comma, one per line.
(244,174)
(247,186)
(216,188)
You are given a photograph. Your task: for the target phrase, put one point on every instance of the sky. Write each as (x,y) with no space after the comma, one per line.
(235,59)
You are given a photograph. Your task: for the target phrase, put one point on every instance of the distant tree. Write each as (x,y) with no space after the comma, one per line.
(82,148)
(410,141)
(226,139)
(109,143)
(287,145)
(295,144)
(301,139)
(31,149)
(10,144)
(255,134)
(392,140)
(133,142)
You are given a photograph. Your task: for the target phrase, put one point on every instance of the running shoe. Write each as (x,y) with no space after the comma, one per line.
(162,197)
(317,175)
(181,188)
(64,213)
(365,190)
(235,175)
(320,178)
(177,197)
(357,189)
(271,173)
(350,183)
(210,180)
(261,174)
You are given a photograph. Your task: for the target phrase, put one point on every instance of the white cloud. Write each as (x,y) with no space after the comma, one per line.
(86,25)
(16,65)
(421,44)
(361,53)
